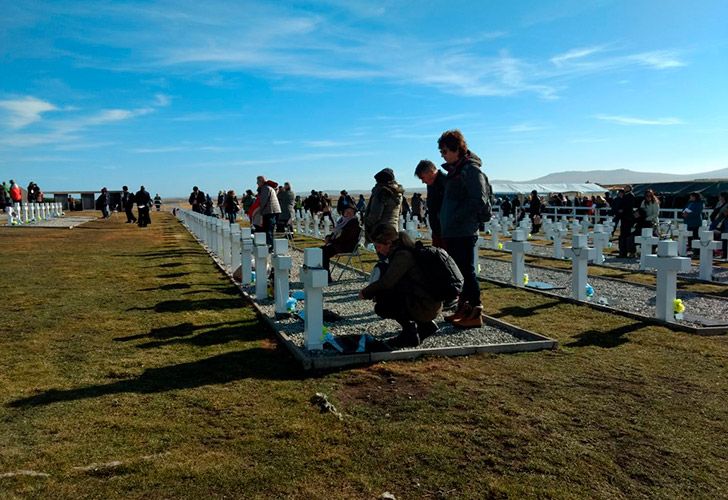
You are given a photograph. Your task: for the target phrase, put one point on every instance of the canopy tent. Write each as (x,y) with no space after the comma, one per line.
(501,188)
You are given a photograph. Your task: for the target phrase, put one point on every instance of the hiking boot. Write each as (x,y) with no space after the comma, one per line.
(472,320)
(426,329)
(463,310)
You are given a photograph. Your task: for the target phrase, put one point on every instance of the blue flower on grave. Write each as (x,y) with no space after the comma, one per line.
(589,290)
(291,304)
(252,277)
(298,295)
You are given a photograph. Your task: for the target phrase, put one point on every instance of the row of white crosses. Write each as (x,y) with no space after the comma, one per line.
(29,213)
(249,253)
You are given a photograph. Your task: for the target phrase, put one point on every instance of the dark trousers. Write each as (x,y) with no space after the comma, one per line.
(144,218)
(129,214)
(269,226)
(626,240)
(327,251)
(461,249)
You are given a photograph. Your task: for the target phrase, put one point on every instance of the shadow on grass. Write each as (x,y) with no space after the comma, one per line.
(256,363)
(522,312)
(168,332)
(193,305)
(250,330)
(607,340)
(172,275)
(171,286)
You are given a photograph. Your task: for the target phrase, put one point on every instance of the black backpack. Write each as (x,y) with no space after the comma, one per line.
(485,213)
(443,279)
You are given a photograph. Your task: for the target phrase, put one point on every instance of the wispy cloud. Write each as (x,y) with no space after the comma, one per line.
(24,111)
(631,120)
(575,54)
(525,127)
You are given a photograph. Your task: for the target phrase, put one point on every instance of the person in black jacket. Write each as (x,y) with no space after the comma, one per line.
(102,203)
(429,174)
(127,202)
(197,200)
(626,217)
(534,211)
(143,201)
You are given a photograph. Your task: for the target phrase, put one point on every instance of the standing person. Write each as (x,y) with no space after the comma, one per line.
(248,200)
(345,200)
(466,195)
(384,203)
(400,292)
(16,196)
(534,211)
(326,207)
(197,200)
(231,206)
(361,205)
(143,201)
(505,207)
(616,209)
(30,193)
(626,218)
(417,207)
(434,178)
(287,200)
(127,202)
(693,216)
(269,207)
(298,206)
(102,203)
(406,212)
(651,207)
(158,202)
(221,203)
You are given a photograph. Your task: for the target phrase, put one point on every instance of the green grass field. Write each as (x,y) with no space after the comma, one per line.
(131,367)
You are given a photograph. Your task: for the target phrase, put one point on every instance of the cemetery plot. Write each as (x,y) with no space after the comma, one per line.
(67,222)
(308,333)
(620,295)
(348,317)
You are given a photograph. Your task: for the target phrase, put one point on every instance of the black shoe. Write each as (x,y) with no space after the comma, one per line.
(426,329)
(407,338)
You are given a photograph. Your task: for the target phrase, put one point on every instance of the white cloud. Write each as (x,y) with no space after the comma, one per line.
(575,54)
(525,127)
(23,112)
(659,59)
(631,120)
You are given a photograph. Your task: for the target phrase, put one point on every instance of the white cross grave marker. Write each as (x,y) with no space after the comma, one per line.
(246,256)
(580,255)
(706,245)
(314,279)
(518,247)
(668,264)
(282,264)
(261,266)
(646,241)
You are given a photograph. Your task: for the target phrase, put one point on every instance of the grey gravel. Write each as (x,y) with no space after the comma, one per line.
(720,274)
(341,298)
(618,294)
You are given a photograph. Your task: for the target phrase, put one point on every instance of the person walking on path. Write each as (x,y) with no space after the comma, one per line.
(102,203)
(158,202)
(466,195)
(127,202)
(269,207)
(143,201)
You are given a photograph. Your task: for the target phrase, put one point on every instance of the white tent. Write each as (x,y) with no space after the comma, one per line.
(501,188)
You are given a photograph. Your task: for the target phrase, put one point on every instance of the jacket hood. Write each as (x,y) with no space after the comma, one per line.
(272,184)
(384,175)
(469,157)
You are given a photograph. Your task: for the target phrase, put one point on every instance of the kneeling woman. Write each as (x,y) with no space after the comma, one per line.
(399,293)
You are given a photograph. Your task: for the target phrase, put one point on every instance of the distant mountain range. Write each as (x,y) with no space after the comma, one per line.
(623,176)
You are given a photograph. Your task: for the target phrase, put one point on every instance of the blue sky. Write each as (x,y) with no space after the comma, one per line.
(325,94)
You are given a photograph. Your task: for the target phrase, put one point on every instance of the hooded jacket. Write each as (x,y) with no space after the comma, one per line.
(384,204)
(464,193)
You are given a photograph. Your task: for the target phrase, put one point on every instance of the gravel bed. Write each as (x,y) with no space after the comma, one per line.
(720,274)
(620,295)
(341,298)
(67,222)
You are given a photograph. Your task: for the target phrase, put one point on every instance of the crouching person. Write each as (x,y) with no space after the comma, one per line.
(343,239)
(399,293)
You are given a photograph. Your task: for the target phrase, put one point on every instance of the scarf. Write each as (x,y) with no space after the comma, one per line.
(339,227)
